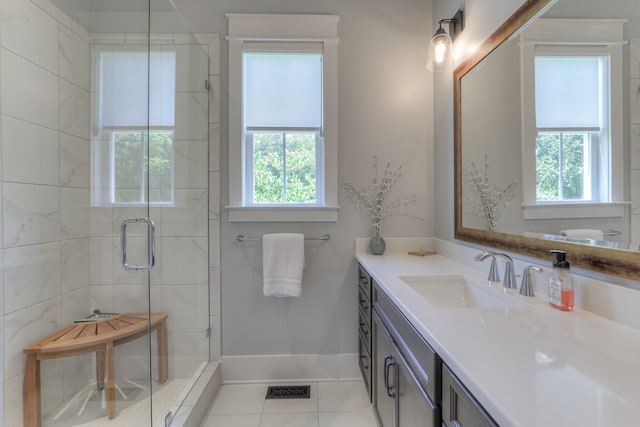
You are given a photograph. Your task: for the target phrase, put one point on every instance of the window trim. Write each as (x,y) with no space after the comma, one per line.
(603,34)
(283,28)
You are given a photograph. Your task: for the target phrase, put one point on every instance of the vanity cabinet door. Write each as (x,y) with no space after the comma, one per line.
(385,374)
(415,409)
(459,407)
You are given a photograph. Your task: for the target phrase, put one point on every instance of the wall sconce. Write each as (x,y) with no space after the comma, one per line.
(440,56)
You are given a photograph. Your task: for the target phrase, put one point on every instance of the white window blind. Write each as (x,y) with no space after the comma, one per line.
(283,85)
(125,79)
(568,92)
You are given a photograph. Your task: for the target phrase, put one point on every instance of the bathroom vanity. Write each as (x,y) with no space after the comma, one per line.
(497,359)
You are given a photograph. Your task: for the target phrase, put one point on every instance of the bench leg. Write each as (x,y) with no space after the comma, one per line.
(163,360)
(111,382)
(100,369)
(31,392)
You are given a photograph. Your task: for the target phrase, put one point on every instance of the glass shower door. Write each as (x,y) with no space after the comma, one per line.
(104,127)
(122,233)
(179,190)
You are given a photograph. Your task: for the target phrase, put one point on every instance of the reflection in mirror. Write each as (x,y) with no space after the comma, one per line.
(546,125)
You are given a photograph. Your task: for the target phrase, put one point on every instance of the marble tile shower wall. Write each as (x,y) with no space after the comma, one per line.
(44,106)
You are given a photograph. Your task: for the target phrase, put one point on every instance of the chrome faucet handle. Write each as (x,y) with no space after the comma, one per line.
(509,275)
(526,288)
(494,275)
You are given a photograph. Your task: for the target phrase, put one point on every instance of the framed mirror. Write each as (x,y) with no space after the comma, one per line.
(504,150)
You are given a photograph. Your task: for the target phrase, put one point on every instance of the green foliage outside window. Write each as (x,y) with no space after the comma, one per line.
(560,166)
(284,167)
(134,170)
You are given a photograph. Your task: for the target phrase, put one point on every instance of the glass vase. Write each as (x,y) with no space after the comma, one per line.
(377,245)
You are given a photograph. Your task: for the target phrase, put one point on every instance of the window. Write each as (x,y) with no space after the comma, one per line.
(141,161)
(134,126)
(283,123)
(282,118)
(282,167)
(572,119)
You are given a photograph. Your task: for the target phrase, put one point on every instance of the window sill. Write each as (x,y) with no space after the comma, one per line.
(283,213)
(574,210)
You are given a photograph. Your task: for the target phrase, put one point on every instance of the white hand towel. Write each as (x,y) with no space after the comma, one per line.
(282,264)
(584,233)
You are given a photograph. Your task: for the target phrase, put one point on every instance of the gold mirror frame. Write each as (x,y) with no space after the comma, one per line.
(615,262)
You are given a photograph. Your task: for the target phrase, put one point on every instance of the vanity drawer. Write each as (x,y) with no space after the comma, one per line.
(419,355)
(364,282)
(365,364)
(459,407)
(364,305)
(365,331)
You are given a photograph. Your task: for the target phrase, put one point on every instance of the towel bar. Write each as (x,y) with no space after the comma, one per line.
(241,238)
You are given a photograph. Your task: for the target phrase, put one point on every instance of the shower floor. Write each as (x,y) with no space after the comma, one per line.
(134,411)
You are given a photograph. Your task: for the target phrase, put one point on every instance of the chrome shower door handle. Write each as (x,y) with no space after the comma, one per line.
(151,243)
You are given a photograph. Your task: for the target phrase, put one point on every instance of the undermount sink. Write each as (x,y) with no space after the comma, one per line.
(457,291)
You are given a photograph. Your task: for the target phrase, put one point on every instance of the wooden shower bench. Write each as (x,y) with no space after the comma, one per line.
(100,337)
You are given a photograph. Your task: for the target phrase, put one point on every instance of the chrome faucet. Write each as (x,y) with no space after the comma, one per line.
(509,273)
(526,288)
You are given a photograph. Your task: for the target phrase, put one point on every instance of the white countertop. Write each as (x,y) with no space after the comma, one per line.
(527,366)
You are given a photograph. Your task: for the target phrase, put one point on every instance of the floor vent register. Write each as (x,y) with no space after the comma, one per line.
(288,392)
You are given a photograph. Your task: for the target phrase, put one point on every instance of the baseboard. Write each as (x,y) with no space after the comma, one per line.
(288,367)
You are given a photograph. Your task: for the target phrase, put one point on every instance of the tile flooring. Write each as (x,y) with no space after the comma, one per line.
(332,404)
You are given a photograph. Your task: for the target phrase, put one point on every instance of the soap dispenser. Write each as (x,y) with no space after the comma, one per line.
(561,283)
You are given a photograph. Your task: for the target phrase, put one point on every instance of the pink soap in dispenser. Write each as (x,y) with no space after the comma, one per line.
(561,283)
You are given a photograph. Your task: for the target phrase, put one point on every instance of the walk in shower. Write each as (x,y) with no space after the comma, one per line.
(108,211)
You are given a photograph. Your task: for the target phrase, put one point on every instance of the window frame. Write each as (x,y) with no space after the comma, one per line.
(282,29)
(605,37)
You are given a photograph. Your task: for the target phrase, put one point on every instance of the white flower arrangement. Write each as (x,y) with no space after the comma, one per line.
(492,198)
(373,199)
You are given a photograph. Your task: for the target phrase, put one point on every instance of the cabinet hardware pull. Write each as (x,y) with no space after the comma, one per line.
(453,408)
(386,371)
(388,363)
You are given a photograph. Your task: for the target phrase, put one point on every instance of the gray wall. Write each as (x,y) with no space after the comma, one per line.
(385,108)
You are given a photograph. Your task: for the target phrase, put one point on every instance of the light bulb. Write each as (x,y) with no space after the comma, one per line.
(440,50)
(439,57)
